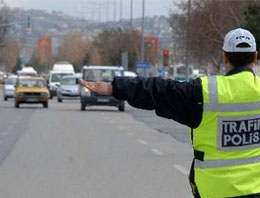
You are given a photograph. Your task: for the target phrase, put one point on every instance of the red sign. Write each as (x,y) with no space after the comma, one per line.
(154,41)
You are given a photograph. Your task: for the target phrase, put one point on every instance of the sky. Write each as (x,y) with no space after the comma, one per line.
(97,9)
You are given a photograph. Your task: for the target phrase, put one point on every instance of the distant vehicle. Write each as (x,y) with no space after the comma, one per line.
(68,89)
(1,77)
(31,90)
(9,87)
(78,75)
(130,74)
(63,66)
(104,74)
(179,72)
(60,69)
(27,71)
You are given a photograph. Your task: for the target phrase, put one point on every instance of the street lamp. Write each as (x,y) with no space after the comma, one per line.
(187,42)
(121,11)
(142,43)
(131,13)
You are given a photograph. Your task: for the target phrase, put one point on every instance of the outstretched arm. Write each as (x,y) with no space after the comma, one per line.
(182,102)
(98,87)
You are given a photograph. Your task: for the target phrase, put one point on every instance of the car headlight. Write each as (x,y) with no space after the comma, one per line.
(85,91)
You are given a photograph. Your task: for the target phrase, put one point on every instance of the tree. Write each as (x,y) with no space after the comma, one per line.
(74,49)
(203,34)
(112,43)
(5,15)
(17,65)
(9,53)
(37,64)
(252,21)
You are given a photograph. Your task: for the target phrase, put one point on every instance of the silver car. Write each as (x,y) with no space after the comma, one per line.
(68,88)
(9,87)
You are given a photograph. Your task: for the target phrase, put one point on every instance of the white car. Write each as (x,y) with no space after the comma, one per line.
(68,88)
(130,74)
(9,87)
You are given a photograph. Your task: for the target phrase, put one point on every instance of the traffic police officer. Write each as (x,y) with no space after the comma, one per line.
(223,113)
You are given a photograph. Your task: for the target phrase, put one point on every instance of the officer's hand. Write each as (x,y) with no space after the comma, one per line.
(98,87)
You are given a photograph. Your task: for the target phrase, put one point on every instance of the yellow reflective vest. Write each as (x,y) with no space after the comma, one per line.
(227,142)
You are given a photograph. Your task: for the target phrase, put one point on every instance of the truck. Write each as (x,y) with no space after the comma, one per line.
(59,70)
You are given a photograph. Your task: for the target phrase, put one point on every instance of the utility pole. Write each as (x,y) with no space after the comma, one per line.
(99,12)
(108,10)
(121,10)
(142,43)
(114,10)
(187,42)
(131,13)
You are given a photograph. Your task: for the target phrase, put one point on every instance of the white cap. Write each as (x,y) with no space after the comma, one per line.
(236,37)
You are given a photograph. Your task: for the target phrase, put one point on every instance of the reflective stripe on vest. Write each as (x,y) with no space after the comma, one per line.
(214,106)
(224,163)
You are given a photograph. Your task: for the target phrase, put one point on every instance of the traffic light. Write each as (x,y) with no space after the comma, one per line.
(166,54)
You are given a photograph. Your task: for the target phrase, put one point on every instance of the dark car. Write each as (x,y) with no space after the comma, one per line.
(104,74)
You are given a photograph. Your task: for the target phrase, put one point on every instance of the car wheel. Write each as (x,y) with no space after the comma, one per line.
(121,107)
(16,104)
(5,98)
(45,105)
(59,100)
(83,107)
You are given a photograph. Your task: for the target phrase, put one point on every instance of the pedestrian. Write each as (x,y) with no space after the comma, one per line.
(223,113)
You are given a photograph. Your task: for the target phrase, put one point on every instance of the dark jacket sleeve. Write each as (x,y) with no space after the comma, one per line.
(180,101)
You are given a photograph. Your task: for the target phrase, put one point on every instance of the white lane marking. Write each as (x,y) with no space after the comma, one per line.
(5,133)
(157,152)
(142,142)
(181,169)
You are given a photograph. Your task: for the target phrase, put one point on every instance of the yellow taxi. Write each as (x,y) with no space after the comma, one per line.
(31,90)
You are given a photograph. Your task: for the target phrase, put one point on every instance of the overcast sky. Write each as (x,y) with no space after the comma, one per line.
(90,8)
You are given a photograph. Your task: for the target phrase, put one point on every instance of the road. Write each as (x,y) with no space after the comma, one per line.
(62,152)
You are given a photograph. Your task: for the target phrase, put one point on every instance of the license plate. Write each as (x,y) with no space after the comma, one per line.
(103,100)
(31,100)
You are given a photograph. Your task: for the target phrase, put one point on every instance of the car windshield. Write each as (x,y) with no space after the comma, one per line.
(58,77)
(69,81)
(104,75)
(10,81)
(31,83)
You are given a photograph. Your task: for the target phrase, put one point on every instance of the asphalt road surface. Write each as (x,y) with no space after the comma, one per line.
(62,152)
